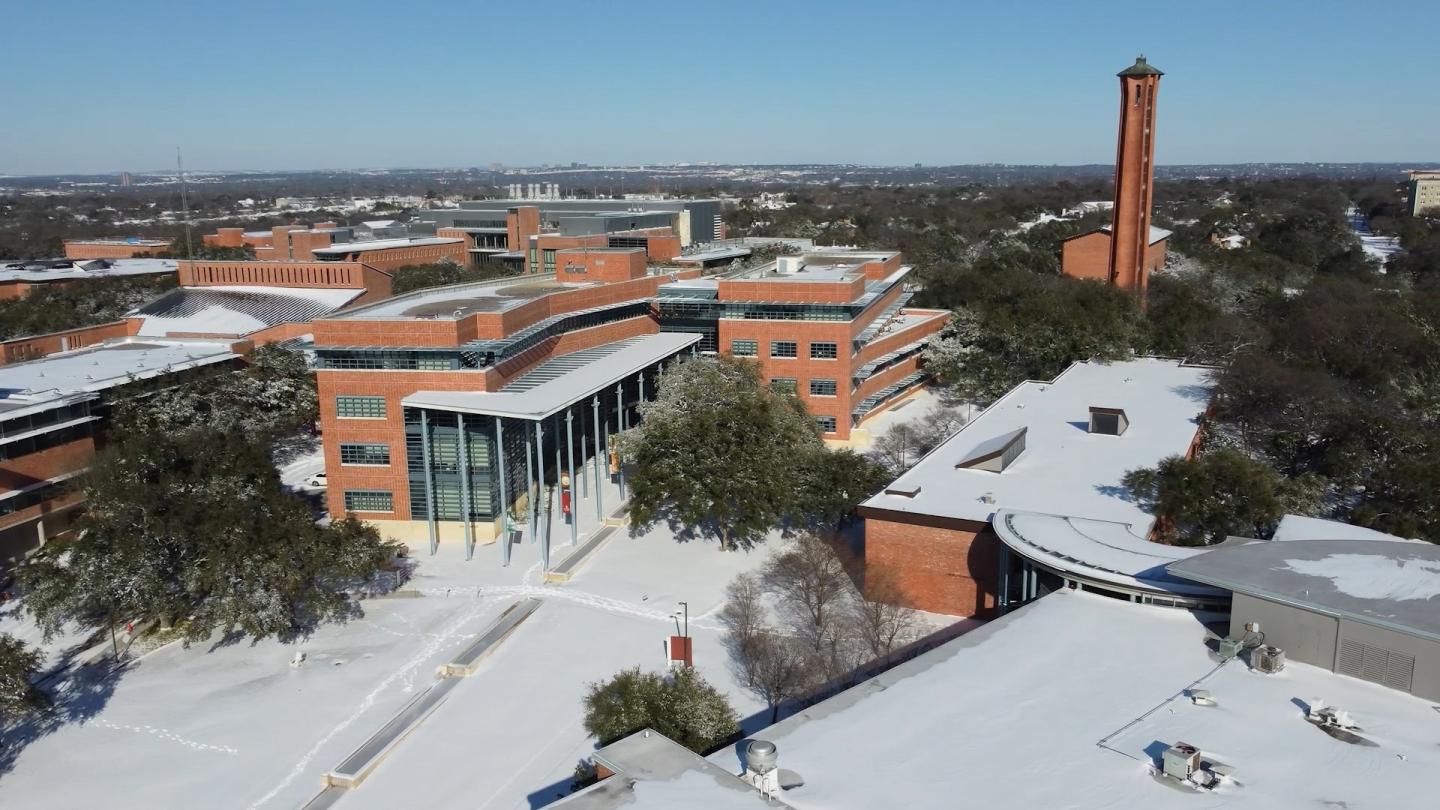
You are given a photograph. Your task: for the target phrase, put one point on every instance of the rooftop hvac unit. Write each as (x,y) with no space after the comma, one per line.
(1268,659)
(1180,760)
(1230,647)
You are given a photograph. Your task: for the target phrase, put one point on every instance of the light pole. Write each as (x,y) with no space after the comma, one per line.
(686,606)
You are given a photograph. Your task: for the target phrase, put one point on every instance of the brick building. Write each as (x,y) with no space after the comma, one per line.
(1424,193)
(52,417)
(262,301)
(19,278)
(530,231)
(1130,249)
(1052,456)
(115,247)
(830,325)
(549,366)
(384,245)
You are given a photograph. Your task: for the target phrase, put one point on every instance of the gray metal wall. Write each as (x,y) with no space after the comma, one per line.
(1313,638)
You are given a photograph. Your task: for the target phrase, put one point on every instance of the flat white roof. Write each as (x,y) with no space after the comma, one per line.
(88,268)
(1069,701)
(386,244)
(575,384)
(95,368)
(1065,469)
(1156,234)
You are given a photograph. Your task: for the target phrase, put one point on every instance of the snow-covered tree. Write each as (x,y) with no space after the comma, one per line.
(194,526)
(19,697)
(682,705)
(717,453)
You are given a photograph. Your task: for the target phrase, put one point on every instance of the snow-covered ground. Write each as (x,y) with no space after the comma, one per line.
(238,727)
(1380,248)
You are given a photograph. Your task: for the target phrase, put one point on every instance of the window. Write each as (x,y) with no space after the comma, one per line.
(360,407)
(822,388)
(744,348)
(785,385)
(824,351)
(371,454)
(826,423)
(369,500)
(784,348)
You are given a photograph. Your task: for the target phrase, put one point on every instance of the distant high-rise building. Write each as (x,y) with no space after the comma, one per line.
(1130,249)
(125,179)
(1424,192)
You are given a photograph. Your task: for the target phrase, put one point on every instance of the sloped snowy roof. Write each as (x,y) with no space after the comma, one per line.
(655,773)
(1068,702)
(1389,584)
(237,310)
(37,385)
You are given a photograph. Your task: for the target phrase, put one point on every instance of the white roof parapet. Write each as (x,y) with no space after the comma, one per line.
(576,384)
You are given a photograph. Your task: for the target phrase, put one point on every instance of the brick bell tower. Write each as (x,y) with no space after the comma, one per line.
(1134,177)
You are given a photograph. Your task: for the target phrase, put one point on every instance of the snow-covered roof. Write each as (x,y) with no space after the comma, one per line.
(1395,585)
(1156,234)
(1098,550)
(38,385)
(87,268)
(466,299)
(237,310)
(385,244)
(1064,469)
(1069,701)
(561,381)
(1299,527)
(712,254)
(656,773)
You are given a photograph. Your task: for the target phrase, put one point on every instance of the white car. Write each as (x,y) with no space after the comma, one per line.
(316,480)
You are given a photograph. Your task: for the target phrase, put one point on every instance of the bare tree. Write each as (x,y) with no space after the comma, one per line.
(775,668)
(810,583)
(880,622)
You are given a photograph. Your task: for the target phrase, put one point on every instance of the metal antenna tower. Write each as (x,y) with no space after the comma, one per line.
(184,204)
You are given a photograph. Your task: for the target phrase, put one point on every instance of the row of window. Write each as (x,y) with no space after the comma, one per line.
(369,454)
(784,348)
(369,500)
(818,388)
(360,407)
(43,441)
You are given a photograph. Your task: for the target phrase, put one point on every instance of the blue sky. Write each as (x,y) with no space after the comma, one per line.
(106,86)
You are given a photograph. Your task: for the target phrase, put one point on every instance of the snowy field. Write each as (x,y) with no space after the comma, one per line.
(239,727)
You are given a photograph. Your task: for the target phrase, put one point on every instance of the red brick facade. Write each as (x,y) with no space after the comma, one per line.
(114,248)
(925,563)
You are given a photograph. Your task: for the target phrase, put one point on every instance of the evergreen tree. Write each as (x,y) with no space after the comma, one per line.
(717,454)
(682,705)
(194,525)
(1201,501)
(19,697)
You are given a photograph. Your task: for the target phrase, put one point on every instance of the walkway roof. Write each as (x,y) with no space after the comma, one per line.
(561,381)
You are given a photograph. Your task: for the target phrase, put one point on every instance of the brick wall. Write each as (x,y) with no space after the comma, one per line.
(804,292)
(32,468)
(1086,256)
(938,569)
(802,368)
(599,264)
(82,249)
(29,348)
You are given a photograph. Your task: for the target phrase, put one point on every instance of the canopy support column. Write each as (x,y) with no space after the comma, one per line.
(599,452)
(570,466)
(429,479)
(504,505)
(464,452)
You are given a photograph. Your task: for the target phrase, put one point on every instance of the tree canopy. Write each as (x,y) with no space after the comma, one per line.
(187,520)
(681,705)
(87,302)
(718,454)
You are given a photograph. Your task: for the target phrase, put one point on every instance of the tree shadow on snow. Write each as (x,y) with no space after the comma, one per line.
(77,693)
